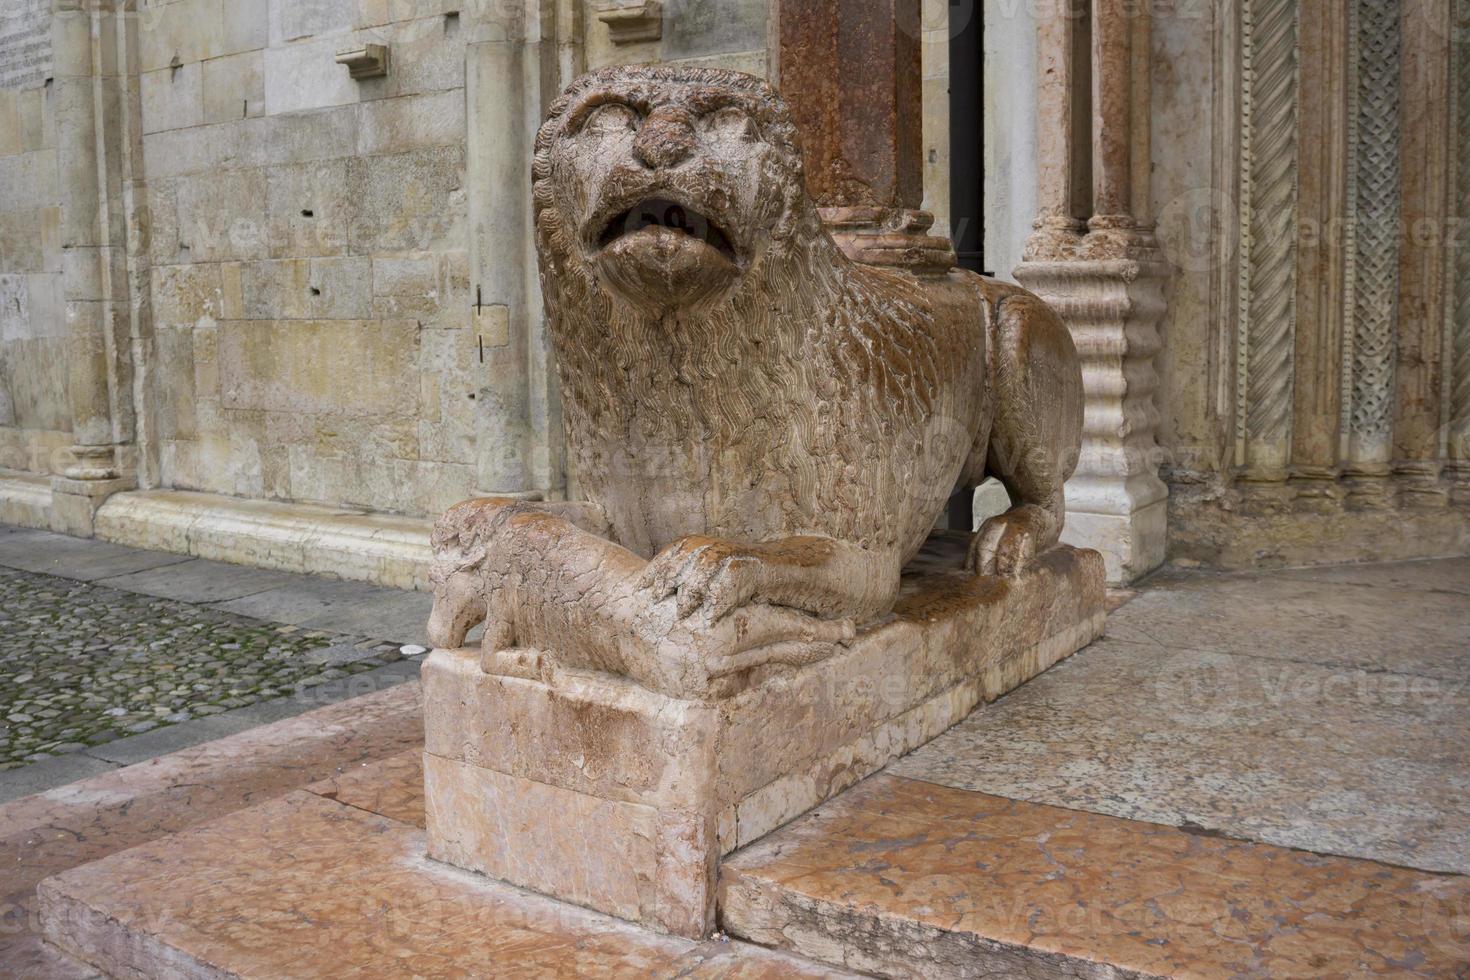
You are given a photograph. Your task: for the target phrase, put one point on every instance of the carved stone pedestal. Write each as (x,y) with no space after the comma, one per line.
(1116,502)
(592,789)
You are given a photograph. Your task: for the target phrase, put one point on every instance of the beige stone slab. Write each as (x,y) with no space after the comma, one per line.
(590,851)
(595,734)
(71,825)
(172,98)
(317,366)
(412,121)
(25,500)
(306,887)
(234,86)
(378,548)
(1292,617)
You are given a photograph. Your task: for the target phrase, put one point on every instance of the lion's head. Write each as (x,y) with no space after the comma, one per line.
(669,186)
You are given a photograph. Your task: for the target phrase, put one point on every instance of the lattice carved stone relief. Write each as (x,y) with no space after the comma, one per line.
(1377,205)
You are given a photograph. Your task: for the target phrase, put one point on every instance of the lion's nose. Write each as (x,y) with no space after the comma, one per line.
(665,140)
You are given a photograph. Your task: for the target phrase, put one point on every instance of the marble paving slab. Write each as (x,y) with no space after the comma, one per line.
(350,607)
(1289,617)
(71,825)
(200,580)
(304,886)
(1357,763)
(907,878)
(391,787)
(81,559)
(1450,575)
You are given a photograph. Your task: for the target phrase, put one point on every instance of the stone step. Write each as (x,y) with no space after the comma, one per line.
(332,881)
(900,877)
(358,545)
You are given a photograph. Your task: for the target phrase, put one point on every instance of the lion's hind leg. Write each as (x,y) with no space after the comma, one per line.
(1037,432)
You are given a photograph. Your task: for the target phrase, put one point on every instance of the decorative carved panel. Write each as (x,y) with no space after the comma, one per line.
(1268,234)
(1377,210)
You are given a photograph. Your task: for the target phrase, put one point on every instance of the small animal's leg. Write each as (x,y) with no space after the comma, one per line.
(1036,435)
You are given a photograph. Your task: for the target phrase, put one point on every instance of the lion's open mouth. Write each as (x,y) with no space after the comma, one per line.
(662,213)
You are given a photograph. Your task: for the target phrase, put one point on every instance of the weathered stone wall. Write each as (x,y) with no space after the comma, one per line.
(310,294)
(288,283)
(35,419)
(716,33)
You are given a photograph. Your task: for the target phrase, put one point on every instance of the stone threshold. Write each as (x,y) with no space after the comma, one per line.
(61,770)
(106,814)
(901,877)
(896,877)
(333,881)
(351,544)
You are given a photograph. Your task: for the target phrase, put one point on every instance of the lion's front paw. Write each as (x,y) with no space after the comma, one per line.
(703,574)
(761,636)
(1006,543)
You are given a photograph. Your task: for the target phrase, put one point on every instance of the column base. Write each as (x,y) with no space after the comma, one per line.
(1107,286)
(1132,545)
(74,503)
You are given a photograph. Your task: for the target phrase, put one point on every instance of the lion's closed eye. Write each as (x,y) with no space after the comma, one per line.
(611,117)
(730,121)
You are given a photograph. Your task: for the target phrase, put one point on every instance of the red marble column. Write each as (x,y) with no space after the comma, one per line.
(850,69)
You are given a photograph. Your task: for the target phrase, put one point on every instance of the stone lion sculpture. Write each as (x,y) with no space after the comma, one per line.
(764,431)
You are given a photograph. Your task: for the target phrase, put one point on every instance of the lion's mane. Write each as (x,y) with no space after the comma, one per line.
(830,368)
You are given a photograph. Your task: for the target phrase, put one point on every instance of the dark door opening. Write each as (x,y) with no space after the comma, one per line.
(966,132)
(966,167)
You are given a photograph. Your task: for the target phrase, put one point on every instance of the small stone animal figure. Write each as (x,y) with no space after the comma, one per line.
(764,430)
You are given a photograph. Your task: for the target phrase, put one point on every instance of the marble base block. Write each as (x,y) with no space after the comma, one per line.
(592,789)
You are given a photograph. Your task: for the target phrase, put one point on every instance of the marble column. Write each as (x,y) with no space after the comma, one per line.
(1419,378)
(1093,257)
(851,72)
(521,57)
(1458,397)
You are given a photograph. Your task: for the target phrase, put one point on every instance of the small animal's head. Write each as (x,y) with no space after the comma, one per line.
(668,185)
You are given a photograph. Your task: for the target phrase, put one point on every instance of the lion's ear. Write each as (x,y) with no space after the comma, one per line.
(793,198)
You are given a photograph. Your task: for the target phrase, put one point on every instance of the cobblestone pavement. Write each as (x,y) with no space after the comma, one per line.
(82,665)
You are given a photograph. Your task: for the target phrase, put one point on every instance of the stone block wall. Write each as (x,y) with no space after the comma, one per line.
(306,240)
(35,417)
(716,33)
